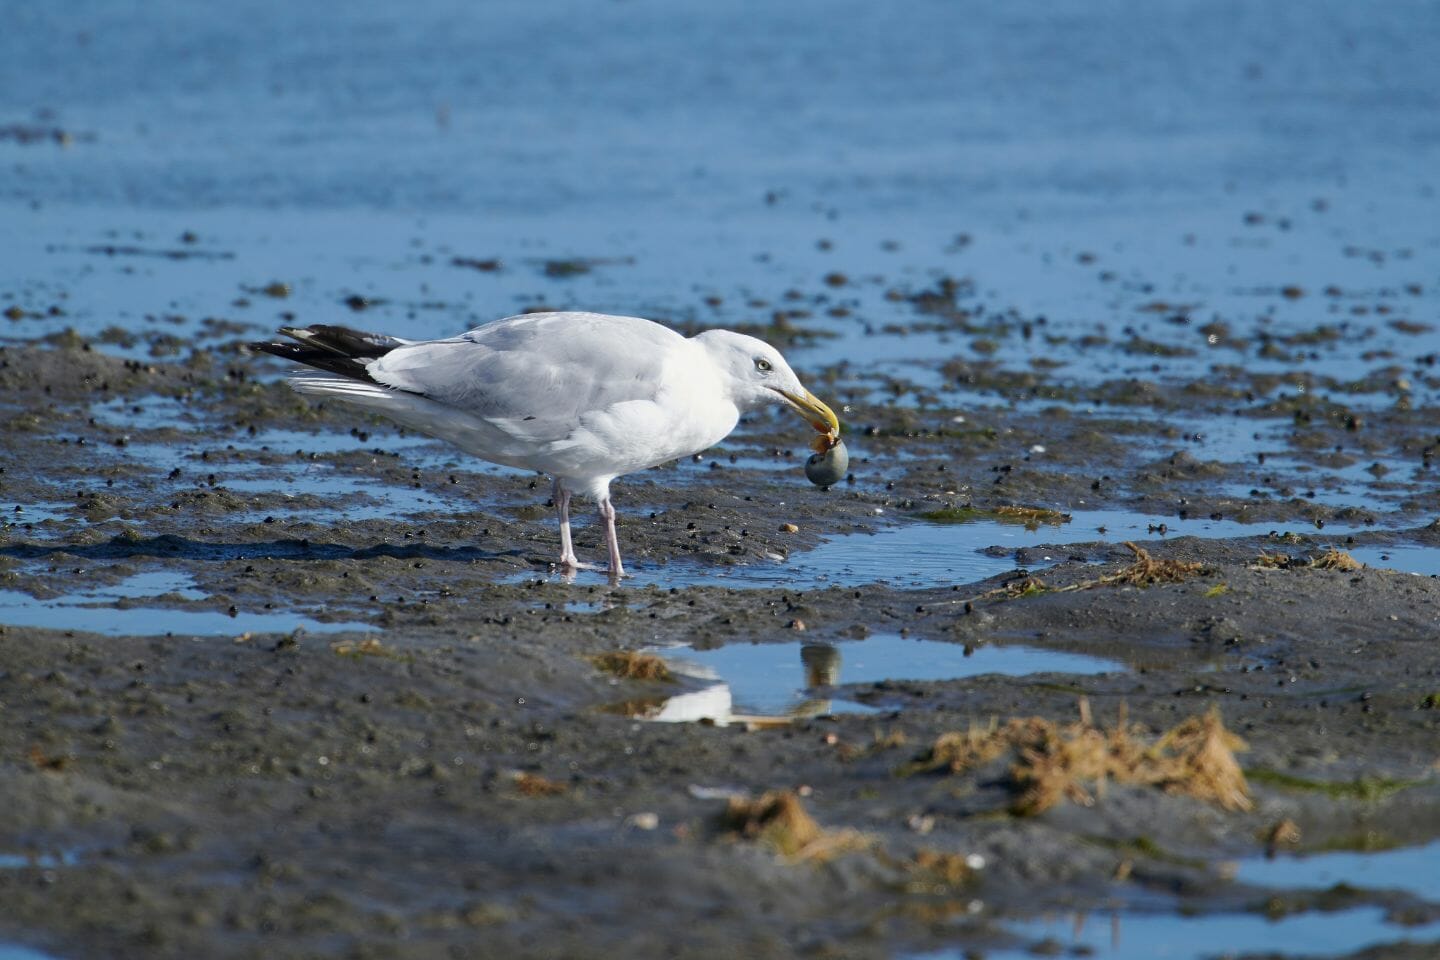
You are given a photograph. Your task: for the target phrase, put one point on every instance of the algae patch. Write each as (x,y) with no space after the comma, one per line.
(1361,788)
(1031,518)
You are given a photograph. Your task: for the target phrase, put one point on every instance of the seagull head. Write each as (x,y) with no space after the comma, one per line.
(756,375)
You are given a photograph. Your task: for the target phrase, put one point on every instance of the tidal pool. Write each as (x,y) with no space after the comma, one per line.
(95,611)
(1136,936)
(801,679)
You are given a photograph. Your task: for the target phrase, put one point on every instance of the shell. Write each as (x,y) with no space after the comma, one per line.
(828,468)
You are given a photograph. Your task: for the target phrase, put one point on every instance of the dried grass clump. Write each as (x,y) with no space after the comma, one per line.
(1058,762)
(957,752)
(1015,589)
(951,869)
(1334,559)
(369,647)
(1198,760)
(534,785)
(1147,570)
(1055,762)
(1284,833)
(1023,587)
(888,740)
(1144,571)
(780,821)
(632,665)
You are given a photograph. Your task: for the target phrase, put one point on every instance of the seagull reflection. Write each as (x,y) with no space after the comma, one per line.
(714,703)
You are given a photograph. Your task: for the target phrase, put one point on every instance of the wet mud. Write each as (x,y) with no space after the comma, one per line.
(431,758)
(1116,638)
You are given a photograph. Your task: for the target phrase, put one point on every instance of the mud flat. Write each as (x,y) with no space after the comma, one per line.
(279,681)
(1119,640)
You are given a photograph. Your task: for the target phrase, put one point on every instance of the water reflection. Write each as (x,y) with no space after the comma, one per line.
(777,682)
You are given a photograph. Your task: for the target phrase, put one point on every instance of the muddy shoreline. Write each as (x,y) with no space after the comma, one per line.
(457,778)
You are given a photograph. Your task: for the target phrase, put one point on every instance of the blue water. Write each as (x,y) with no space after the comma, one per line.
(776,678)
(1098,159)
(94,612)
(44,861)
(1132,936)
(1414,869)
(914,553)
(1406,558)
(10,951)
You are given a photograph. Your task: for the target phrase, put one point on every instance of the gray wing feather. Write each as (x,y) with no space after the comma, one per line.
(535,376)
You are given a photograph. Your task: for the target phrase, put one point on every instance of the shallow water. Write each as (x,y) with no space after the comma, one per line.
(44,861)
(95,611)
(913,554)
(779,679)
(13,952)
(1414,869)
(1103,186)
(1131,936)
(1407,558)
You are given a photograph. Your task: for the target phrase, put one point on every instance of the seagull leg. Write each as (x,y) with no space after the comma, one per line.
(612,541)
(561,497)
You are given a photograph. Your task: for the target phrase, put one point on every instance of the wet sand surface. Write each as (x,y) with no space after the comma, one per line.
(1133,331)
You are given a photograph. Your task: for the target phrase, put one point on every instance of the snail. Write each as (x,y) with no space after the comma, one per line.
(829,464)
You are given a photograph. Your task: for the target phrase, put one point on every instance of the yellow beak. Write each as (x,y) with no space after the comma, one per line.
(813,409)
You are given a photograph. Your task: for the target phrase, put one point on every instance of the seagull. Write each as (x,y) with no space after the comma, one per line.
(582,397)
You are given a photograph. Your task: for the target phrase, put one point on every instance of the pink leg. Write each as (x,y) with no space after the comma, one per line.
(612,541)
(562,507)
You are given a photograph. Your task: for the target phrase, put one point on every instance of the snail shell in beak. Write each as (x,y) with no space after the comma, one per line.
(828,468)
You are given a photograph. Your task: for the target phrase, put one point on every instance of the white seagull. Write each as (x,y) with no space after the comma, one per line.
(583,397)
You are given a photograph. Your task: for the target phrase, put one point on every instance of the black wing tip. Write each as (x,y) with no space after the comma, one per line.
(345,341)
(273,348)
(319,358)
(329,347)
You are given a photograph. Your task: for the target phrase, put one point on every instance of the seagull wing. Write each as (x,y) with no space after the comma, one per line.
(536,376)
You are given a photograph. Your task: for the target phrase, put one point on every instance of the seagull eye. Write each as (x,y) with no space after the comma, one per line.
(762,365)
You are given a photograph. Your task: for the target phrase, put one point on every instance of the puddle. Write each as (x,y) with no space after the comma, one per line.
(1087,193)
(941,554)
(360,495)
(798,679)
(1128,936)
(927,554)
(77,612)
(25,514)
(359,498)
(42,861)
(1409,558)
(13,952)
(1412,869)
(145,413)
(151,583)
(931,554)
